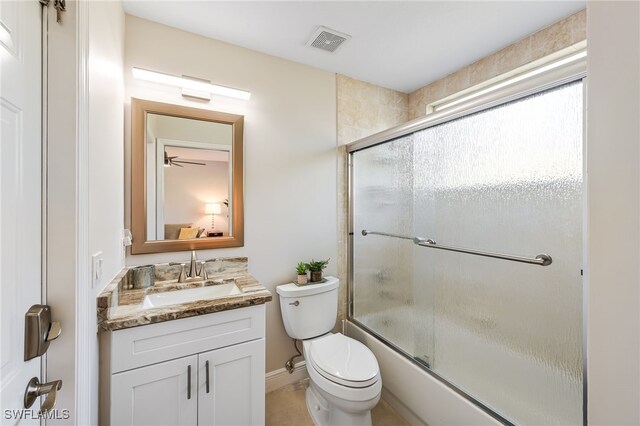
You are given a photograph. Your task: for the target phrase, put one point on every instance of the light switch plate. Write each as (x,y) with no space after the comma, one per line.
(96,268)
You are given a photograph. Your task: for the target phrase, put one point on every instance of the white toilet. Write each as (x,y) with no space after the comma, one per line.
(345,382)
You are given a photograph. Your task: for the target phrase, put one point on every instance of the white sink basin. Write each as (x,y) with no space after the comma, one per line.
(175,297)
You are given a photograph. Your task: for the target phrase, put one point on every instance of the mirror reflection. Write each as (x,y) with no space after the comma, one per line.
(186,178)
(189,178)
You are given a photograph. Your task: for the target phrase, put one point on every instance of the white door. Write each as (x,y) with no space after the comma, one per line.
(159,394)
(20,197)
(232,385)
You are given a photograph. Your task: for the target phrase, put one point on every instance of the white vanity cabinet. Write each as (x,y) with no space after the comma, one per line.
(159,394)
(202,370)
(235,395)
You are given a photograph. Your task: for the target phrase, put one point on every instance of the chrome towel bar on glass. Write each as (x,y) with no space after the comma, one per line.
(541,259)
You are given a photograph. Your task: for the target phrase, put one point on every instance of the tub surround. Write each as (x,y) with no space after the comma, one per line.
(119,306)
(365,109)
(570,31)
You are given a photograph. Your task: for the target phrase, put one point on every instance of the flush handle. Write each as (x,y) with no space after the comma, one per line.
(296,303)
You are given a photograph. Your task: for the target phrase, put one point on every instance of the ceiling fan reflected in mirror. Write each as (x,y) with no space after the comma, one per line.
(172,161)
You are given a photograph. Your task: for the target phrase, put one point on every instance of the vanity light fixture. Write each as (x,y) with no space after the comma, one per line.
(191,86)
(213,209)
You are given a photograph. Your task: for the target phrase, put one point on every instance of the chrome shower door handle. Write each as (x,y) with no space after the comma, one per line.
(36,389)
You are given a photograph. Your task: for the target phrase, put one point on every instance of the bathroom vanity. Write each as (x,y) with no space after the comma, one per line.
(199,362)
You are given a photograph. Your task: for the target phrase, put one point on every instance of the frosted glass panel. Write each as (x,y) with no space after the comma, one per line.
(506,180)
(383,200)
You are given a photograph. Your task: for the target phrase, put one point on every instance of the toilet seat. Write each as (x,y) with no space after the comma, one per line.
(343,360)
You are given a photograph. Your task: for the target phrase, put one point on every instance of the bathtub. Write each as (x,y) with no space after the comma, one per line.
(428,400)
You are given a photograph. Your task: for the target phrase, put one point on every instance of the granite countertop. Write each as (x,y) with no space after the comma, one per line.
(119,306)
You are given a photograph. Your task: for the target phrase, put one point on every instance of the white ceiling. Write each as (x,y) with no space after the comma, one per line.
(402,45)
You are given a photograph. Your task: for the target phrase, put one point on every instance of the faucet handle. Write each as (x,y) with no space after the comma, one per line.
(182,277)
(183,273)
(202,272)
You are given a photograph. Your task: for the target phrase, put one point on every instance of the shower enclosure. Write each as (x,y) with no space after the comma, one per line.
(466,250)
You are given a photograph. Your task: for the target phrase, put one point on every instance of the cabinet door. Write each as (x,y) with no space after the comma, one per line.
(156,395)
(236,385)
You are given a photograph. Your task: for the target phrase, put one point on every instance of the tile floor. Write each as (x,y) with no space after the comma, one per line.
(287,407)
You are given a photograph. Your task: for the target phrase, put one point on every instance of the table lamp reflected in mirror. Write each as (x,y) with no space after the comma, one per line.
(213,209)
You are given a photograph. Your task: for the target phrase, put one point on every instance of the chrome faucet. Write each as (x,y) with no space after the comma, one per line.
(195,273)
(192,265)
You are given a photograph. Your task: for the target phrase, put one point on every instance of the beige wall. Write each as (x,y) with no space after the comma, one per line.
(290,152)
(613,213)
(365,109)
(560,35)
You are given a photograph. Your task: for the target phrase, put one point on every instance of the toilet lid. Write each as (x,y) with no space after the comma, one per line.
(344,360)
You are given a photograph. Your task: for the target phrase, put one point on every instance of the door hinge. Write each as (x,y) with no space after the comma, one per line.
(59,5)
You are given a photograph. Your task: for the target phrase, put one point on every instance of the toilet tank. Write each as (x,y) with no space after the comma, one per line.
(309,310)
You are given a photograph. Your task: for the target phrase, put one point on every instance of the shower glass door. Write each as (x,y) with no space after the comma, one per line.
(506,180)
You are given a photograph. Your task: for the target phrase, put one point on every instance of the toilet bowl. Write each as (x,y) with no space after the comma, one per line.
(344,380)
(344,377)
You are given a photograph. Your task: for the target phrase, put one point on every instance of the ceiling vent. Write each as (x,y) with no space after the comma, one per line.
(327,39)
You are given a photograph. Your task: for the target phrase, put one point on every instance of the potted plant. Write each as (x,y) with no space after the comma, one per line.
(316,268)
(302,269)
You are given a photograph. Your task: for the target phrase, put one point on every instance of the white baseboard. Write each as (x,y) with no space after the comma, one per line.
(280,378)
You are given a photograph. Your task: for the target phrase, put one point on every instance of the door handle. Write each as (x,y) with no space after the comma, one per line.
(54,331)
(36,389)
(39,331)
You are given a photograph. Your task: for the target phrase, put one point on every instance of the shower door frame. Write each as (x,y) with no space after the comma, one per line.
(571,71)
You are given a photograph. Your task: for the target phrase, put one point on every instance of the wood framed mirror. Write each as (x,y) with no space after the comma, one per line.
(186,178)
